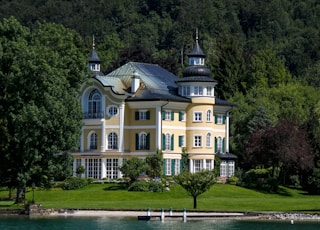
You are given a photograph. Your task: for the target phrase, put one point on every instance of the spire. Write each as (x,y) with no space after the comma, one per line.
(94,60)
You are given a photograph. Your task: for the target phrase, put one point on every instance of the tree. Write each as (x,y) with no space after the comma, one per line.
(284,147)
(195,183)
(155,164)
(41,71)
(133,168)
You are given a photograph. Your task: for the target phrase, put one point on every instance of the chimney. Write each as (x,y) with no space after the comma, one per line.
(135,83)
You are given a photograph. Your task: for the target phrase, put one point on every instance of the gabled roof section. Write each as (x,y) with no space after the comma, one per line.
(156,83)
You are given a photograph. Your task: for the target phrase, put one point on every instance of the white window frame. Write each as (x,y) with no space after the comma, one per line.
(209,90)
(208,140)
(112,110)
(197,165)
(219,144)
(112,168)
(93,141)
(183,116)
(197,116)
(177,166)
(168,167)
(209,115)
(167,115)
(167,141)
(197,141)
(219,119)
(143,141)
(112,140)
(183,140)
(142,114)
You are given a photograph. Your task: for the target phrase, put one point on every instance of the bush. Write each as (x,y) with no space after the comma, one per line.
(155,186)
(233,180)
(260,179)
(72,183)
(139,186)
(146,186)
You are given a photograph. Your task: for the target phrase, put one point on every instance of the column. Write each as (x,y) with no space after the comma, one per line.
(227,133)
(103,168)
(120,164)
(82,140)
(121,130)
(158,127)
(204,165)
(83,164)
(74,167)
(103,135)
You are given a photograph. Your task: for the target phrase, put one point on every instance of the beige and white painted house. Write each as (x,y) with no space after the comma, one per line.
(140,108)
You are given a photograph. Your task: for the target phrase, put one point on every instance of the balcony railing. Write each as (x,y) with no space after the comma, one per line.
(93,115)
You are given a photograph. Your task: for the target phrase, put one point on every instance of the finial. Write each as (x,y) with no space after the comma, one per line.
(93,45)
(197,38)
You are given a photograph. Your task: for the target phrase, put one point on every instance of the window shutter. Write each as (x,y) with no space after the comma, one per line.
(148,141)
(180,141)
(137,141)
(215,119)
(163,115)
(172,142)
(215,144)
(137,115)
(148,115)
(164,167)
(223,119)
(172,116)
(163,141)
(223,145)
(181,165)
(180,116)
(172,166)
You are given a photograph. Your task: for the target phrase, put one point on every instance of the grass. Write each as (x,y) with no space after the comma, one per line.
(221,197)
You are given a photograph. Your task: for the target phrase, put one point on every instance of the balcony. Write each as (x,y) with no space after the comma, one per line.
(98,115)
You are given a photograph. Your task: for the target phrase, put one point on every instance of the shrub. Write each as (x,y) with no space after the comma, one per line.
(139,186)
(260,179)
(146,186)
(156,186)
(72,183)
(233,180)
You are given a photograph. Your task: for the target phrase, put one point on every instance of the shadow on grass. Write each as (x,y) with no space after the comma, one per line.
(114,187)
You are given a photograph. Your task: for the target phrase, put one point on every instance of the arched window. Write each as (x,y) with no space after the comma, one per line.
(219,144)
(209,115)
(94,104)
(93,141)
(208,140)
(112,141)
(142,141)
(168,142)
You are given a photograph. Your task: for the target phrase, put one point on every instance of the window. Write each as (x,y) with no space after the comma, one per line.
(209,115)
(112,168)
(182,116)
(197,165)
(168,115)
(209,90)
(197,141)
(94,104)
(168,167)
(182,141)
(93,168)
(78,164)
(226,168)
(112,111)
(198,90)
(142,115)
(208,165)
(142,141)
(219,119)
(208,140)
(185,90)
(167,141)
(197,116)
(93,141)
(177,166)
(112,141)
(223,169)
(219,144)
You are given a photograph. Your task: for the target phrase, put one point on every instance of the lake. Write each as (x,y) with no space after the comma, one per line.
(114,223)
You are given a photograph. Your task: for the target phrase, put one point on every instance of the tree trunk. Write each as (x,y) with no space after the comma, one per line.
(195,202)
(21,192)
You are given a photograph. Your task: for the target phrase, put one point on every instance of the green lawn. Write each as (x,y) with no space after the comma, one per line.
(221,197)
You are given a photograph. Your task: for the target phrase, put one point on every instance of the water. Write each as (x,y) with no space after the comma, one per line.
(80,223)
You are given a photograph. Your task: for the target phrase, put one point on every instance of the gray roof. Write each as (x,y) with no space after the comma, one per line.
(94,57)
(196,51)
(227,156)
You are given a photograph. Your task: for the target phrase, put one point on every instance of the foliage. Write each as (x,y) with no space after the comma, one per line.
(80,169)
(40,72)
(72,183)
(133,167)
(195,183)
(313,184)
(260,179)
(155,164)
(146,186)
